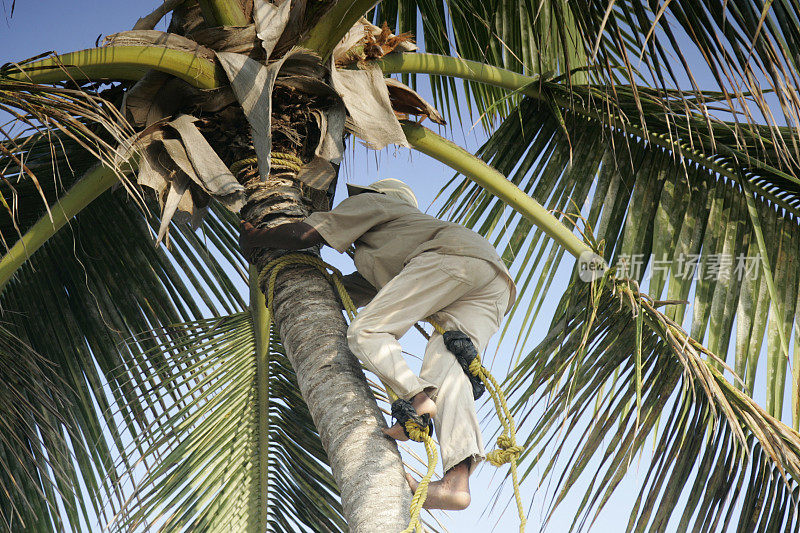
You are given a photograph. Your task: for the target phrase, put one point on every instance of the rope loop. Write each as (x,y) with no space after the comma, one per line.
(414,425)
(415,431)
(239,165)
(267,277)
(475,367)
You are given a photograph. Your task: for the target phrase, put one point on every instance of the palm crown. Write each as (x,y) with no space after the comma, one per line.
(591,110)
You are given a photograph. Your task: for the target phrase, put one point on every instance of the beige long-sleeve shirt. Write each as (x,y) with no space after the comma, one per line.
(388,233)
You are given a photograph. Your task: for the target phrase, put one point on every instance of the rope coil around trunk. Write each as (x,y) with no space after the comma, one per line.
(508,451)
(278,160)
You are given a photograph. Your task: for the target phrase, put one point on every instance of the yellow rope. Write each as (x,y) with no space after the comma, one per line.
(508,451)
(239,165)
(270,273)
(420,434)
(278,160)
(287,161)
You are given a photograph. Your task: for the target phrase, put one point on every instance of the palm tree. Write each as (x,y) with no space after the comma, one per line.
(113,374)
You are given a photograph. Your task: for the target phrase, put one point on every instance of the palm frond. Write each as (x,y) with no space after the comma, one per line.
(669,198)
(90,287)
(46,126)
(748,47)
(200,453)
(530,37)
(750,50)
(34,452)
(613,372)
(58,161)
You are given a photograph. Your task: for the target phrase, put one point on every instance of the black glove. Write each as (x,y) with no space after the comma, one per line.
(461,346)
(403,410)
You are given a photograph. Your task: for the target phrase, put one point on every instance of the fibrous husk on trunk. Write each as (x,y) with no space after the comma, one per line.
(371,99)
(406,101)
(367,41)
(236,39)
(367,100)
(270,22)
(154,97)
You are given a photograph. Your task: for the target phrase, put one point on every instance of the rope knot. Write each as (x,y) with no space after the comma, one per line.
(508,451)
(415,431)
(417,427)
(475,367)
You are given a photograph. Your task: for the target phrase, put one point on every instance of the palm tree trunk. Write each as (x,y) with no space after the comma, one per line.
(365,463)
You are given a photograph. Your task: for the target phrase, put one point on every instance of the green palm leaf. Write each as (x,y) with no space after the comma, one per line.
(57,162)
(201,445)
(529,37)
(750,49)
(614,371)
(90,287)
(34,452)
(653,198)
(47,125)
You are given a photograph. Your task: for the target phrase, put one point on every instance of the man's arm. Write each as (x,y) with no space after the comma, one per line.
(360,290)
(338,228)
(290,236)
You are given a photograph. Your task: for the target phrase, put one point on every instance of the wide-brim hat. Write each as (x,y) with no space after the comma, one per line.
(391,187)
(353,189)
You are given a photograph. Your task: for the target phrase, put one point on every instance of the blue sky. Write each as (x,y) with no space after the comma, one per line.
(65,26)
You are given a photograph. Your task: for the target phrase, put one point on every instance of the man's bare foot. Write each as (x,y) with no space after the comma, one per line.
(423,405)
(451,492)
(442,495)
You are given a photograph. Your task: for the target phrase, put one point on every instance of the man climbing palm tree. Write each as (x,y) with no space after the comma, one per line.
(422,267)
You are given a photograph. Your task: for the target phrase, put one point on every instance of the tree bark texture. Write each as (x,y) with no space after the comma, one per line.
(365,463)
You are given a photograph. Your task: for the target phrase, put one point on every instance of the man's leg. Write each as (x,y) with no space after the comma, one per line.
(420,289)
(477,313)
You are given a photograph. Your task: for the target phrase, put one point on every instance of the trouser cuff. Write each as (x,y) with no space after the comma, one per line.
(423,386)
(476,458)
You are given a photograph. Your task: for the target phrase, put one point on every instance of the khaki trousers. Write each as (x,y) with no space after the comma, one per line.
(462,293)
